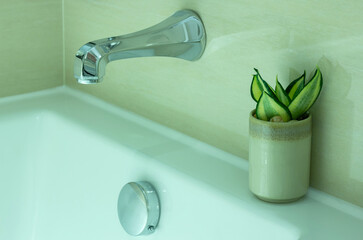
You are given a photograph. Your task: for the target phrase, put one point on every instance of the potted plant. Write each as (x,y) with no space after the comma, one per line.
(280,137)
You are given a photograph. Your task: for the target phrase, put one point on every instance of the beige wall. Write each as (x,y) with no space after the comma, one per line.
(208,99)
(30,46)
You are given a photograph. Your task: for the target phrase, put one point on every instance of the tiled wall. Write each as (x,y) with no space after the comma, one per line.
(30,46)
(209,99)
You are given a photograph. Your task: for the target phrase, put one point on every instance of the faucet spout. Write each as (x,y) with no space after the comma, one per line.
(182,36)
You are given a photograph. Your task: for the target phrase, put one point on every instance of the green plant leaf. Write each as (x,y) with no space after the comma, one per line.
(307,97)
(281,94)
(265,86)
(268,106)
(256,88)
(296,86)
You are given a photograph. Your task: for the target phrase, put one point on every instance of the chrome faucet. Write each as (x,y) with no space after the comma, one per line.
(182,36)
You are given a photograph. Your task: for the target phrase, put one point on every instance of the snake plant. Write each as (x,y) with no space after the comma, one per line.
(287,104)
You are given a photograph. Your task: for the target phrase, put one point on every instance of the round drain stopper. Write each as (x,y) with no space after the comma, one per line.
(138,208)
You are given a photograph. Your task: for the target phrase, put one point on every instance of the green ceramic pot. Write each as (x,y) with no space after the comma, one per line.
(279,159)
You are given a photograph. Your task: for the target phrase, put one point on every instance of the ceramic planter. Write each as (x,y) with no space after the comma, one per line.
(279,159)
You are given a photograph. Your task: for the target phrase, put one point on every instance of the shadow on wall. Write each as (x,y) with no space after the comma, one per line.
(332,128)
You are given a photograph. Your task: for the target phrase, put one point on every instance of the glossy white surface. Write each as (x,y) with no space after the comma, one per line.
(65,156)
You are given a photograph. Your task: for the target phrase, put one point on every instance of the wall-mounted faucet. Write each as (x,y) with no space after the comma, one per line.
(182,36)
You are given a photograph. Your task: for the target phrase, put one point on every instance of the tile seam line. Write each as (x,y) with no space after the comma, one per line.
(63,48)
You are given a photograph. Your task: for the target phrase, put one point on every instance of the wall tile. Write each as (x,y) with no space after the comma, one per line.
(30,46)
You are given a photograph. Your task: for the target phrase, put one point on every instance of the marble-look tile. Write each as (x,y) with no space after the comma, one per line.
(30,46)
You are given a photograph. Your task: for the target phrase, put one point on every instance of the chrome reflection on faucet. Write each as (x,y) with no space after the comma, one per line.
(182,36)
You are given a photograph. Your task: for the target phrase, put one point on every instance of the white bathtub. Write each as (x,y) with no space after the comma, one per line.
(65,156)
